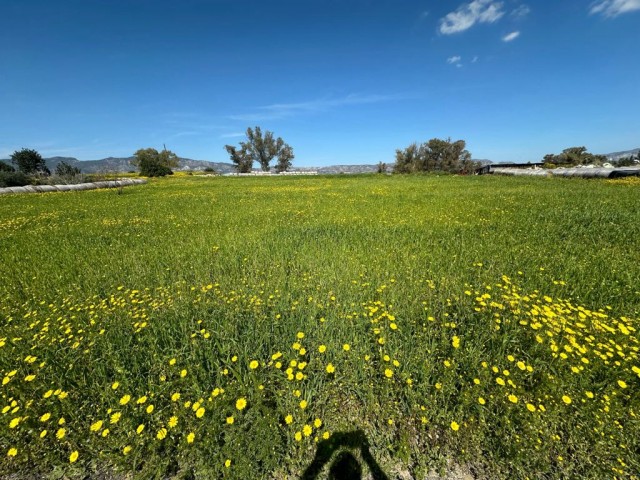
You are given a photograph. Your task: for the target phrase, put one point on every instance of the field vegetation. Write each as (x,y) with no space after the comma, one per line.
(215,327)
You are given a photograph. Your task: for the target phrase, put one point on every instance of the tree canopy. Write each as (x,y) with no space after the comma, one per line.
(153,163)
(435,155)
(261,148)
(29,161)
(574,156)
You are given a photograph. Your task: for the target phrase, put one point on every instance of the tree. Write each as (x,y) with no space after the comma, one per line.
(29,161)
(409,160)
(262,149)
(573,156)
(285,157)
(435,155)
(63,169)
(240,158)
(153,163)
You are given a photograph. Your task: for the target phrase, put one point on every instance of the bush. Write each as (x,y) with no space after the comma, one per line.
(153,169)
(13,179)
(153,163)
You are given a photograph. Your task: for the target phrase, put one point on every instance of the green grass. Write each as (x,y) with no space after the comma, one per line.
(103,287)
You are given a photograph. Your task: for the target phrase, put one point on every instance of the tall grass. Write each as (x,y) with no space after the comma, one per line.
(479,321)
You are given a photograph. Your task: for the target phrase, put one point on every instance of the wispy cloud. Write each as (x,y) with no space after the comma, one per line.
(509,37)
(613,8)
(521,11)
(232,135)
(468,14)
(285,110)
(455,60)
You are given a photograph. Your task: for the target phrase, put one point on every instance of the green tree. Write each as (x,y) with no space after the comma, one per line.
(29,161)
(408,160)
(240,158)
(63,169)
(153,163)
(261,148)
(573,156)
(436,155)
(285,157)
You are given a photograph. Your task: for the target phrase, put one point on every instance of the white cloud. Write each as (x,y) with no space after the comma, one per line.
(613,8)
(521,12)
(474,59)
(510,36)
(454,60)
(284,110)
(232,135)
(468,14)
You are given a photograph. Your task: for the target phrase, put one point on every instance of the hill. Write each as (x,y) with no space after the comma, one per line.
(119,164)
(619,155)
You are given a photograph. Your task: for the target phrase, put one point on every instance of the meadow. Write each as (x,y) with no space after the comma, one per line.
(200,327)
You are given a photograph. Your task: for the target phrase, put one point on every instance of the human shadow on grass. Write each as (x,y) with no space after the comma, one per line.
(345,466)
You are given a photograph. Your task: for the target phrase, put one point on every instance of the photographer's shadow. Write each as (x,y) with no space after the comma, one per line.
(345,466)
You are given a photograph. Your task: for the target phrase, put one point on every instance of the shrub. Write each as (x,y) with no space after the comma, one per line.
(13,179)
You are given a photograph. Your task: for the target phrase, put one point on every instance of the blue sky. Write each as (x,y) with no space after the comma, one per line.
(342,81)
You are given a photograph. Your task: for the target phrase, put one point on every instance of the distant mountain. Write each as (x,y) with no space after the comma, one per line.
(347,169)
(113,164)
(619,155)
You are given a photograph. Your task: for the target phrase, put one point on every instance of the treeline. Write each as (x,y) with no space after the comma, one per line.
(28,167)
(574,156)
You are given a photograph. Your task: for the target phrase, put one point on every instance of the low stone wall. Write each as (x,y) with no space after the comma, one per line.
(72,188)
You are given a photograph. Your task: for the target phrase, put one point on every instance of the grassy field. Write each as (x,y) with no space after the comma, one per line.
(225,327)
